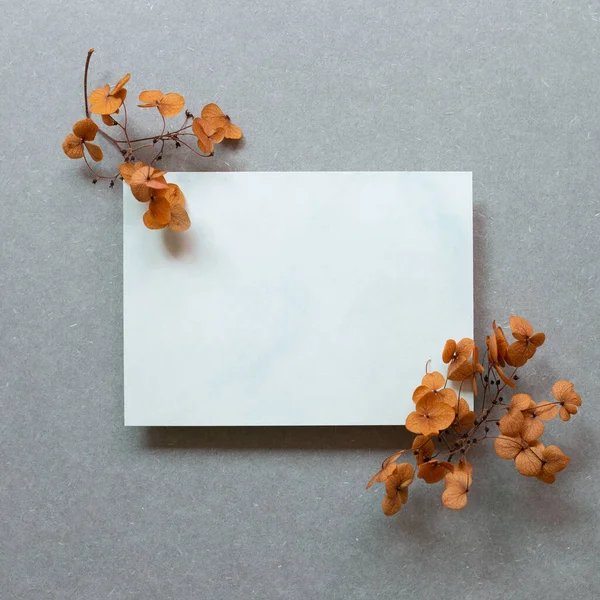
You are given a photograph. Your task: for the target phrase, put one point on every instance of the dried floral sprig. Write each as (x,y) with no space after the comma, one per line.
(441,414)
(166,203)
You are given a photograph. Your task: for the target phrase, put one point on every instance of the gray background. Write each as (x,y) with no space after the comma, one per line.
(92,510)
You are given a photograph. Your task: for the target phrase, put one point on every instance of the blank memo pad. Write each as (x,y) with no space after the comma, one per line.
(295,298)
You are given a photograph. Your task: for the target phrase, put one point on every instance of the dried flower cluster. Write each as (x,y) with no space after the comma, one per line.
(442,416)
(166,203)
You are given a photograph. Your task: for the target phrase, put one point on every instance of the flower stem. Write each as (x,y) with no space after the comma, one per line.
(85,82)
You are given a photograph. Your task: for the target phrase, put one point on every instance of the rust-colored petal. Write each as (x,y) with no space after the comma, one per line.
(121,83)
(127,170)
(562,389)
(102,103)
(108,120)
(457,487)
(434,381)
(423,448)
(212,112)
(432,472)
(73,146)
(171,104)
(464,349)
(231,131)
(532,428)
(507,447)
(519,353)
(202,130)
(511,423)
(555,459)
(94,150)
(492,345)
(521,328)
(528,463)
(160,209)
(546,411)
(465,418)
(420,393)
(174,195)
(180,220)
(150,97)
(448,351)
(440,414)
(538,339)
(85,129)
(218,136)
(391,506)
(448,396)
(460,371)
(522,402)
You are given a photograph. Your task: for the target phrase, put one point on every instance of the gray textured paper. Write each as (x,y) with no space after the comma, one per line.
(296,298)
(93,510)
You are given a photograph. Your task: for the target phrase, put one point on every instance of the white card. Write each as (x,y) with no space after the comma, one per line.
(295,298)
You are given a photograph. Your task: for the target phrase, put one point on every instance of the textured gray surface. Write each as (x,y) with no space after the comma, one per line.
(92,510)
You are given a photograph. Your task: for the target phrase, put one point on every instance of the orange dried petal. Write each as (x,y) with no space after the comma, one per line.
(121,83)
(457,487)
(434,381)
(448,351)
(431,472)
(85,129)
(532,428)
(521,328)
(448,396)
(511,423)
(507,447)
(522,402)
(127,170)
(202,130)
(519,353)
(391,506)
(528,463)
(94,150)
(171,104)
(546,410)
(73,146)
(562,389)
(180,220)
(151,97)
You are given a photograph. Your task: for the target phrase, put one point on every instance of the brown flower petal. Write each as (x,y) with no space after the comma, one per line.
(73,146)
(457,488)
(528,463)
(430,416)
(432,472)
(215,117)
(180,220)
(546,410)
(423,448)
(391,506)
(448,352)
(94,150)
(507,447)
(521,329)
(85,129)
(511,423)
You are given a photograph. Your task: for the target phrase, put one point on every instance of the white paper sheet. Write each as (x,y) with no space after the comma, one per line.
(295,298)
